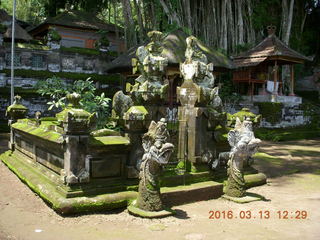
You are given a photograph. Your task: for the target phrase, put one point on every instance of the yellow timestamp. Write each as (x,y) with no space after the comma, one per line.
(260,214)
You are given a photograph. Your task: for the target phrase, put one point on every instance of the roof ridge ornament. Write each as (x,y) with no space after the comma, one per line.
(271,30)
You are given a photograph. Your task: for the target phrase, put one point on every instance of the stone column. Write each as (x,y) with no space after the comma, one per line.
(76,124)
(15,111)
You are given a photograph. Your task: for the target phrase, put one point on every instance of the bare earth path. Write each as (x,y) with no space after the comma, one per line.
(293,185)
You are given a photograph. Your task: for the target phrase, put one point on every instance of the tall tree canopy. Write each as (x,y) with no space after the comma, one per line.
(231,26)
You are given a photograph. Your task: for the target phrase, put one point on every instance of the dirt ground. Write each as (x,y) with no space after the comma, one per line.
(293,186)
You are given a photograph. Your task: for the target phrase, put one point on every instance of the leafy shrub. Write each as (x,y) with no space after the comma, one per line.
(57,90)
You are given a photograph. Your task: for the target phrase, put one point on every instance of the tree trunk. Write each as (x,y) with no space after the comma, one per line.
(116,24)
(224,37)
(240,23)
(140,21)
(231,37)
(288,29)
(186,4)
(172,15)
(129,27)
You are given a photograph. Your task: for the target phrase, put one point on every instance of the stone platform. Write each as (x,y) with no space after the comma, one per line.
(134,210)
(249,197)
(48,187)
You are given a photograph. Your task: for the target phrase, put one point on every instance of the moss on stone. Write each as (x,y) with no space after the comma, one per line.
(138,109)
(104,132)
(48,190)
(113,79)
(253,180)
(42,131)
(109,140)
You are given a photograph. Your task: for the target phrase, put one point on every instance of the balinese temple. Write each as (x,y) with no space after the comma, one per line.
(258,70)
(174,45)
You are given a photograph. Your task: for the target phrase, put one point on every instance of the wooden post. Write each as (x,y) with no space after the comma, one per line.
(275,78)
(292,80)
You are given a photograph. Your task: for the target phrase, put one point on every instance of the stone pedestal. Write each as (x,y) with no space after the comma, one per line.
(15,111)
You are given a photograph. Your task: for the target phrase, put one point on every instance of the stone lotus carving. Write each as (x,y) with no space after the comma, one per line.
(157,152)
(243,145)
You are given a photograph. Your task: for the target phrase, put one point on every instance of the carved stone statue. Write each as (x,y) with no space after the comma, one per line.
(151,64)
(157,152)
(243,145)
(197,69)
(201,108)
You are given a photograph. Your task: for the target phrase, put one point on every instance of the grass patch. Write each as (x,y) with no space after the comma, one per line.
(268,158)
(287,134)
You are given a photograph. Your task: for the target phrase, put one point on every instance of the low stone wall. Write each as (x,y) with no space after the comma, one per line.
(291,113)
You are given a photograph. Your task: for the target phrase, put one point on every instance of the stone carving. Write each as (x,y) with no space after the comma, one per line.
(150,62)
(16,110)
(120,104)
(201,107)
(157,152)
(197,69)
(243,145)
(77,124)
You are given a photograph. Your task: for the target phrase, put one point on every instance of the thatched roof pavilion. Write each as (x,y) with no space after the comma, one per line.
(252,65)
(174,49)
(21,35)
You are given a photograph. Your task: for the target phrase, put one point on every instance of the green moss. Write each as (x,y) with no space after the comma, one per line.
(104,132)
(270,111)
(32,46)
(109,140)
(287,134)
(268,158)
(16,106)
(48,190)
(88,51)
(42,74)
(253,180)
(41,131)
(245,112)
(317,171)
(5,91)
(138,109)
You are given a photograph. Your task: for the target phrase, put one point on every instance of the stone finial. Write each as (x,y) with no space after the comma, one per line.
(16,110)
(271,30)
(74,99)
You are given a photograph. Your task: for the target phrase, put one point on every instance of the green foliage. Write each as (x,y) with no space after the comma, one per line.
(243,47)
(3,28)
(227,90)
(112,79)
(103,40)
(270,111)
(287,134)
(53,35)
(266,13)
(313,111)
(57,90)
(80,50)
